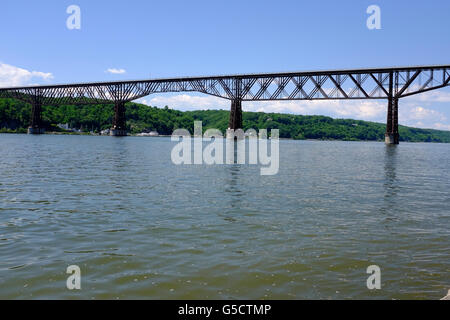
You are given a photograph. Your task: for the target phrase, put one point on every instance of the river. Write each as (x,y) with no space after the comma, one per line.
(139,226)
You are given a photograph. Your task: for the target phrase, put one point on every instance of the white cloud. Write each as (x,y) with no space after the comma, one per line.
(187,102)
(420,113)
(441,95)
(436,96)
(368,110)
(11,76)
(441,126)
(411,111)
(116,71)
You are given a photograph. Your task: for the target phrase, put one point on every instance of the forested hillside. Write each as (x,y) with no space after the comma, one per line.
(15,117)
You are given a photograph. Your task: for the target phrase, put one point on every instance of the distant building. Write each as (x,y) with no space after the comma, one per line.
(148,134)
(64,126)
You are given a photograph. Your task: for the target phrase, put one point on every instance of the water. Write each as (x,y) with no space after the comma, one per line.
(140,227)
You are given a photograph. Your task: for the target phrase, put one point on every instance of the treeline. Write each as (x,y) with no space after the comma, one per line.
(15,117)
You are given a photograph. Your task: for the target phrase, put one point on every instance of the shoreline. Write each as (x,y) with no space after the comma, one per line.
(168,136)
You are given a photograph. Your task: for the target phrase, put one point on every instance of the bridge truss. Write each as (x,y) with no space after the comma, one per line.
(380,83)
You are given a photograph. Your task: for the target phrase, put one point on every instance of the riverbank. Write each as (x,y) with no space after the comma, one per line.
(142,118)
(168,136)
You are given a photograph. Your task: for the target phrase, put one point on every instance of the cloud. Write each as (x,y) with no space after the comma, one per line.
(441,95)
(413,111)
(367,110)
(187,102)
(116,71)
(421,113)
(441,126)
(11,76)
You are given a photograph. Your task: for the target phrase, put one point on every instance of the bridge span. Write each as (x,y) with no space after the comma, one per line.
(390,84)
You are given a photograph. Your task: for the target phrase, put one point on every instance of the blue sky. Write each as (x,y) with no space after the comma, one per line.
(147,39)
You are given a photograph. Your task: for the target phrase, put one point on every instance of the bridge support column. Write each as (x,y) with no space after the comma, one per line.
(235,114)
(36,126)
(392,136)
(119,127)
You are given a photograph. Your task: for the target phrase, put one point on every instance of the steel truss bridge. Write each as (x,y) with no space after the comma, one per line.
(377,83)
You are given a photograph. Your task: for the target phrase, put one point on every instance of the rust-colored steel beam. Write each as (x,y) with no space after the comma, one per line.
(374,83)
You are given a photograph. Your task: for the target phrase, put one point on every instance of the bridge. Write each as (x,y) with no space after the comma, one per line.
(390,84)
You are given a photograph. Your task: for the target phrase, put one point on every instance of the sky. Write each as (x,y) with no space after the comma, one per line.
(122,40)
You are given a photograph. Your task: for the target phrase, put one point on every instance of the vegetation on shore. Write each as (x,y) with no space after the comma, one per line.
(15,118)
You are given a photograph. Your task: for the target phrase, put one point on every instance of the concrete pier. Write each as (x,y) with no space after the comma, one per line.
(119,128)
(35,130)
(118,132)
(391,138)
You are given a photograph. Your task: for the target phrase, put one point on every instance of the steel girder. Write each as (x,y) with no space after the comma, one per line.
(314,85)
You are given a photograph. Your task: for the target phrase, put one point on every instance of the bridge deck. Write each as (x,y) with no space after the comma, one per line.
(374,83)
(243,76)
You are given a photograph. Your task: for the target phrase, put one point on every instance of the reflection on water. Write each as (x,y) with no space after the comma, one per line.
(140,227)
(391,183)
(233,188)
(390,163)
(388,208)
